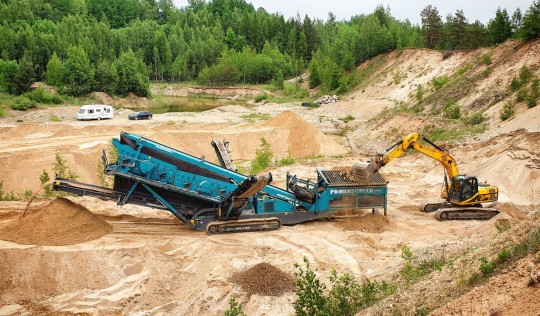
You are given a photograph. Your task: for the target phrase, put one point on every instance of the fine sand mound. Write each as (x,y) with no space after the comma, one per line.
(264,279)
(372,223)
(58,223)
(303,138)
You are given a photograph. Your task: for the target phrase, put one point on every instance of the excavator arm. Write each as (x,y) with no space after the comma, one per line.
(411,142)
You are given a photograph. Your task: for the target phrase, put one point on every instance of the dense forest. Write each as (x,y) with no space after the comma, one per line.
(119,46)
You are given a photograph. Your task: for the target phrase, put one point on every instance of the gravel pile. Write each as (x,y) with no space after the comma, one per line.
(264,279)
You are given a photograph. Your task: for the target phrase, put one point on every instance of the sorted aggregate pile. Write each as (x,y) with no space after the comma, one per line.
(264,279)
(58,223)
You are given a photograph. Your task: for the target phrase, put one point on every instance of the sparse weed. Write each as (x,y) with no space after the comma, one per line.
(452,110)
(439,82)
(235,308)
(419,93)
(486,59)
(507,111)
(486,267)
(347,118)
(54,118)
(475,118)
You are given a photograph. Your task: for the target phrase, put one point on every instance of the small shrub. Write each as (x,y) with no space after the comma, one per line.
(515,84)
(22,103)
(4,196)
(502,225)
(452,111)
(486,267)
(522,95)
(439,82)
(2,111)
(61,169)
(474,278)
(463,70)
(475,118)
(525,75)
(507,111)
(310,291)
(398,77)
(487,72)
(534,94)
(263,157)
(419,93)
(45,185)
(261,97)
(486,59)
(504,255)
(347,118)
(235,308)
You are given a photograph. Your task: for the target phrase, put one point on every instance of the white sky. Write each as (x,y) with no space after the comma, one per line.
(482,10)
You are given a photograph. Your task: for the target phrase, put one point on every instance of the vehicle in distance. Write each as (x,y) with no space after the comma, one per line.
(142,115)
(95,112)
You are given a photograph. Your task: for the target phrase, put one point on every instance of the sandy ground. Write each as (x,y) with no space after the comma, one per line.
(149,264)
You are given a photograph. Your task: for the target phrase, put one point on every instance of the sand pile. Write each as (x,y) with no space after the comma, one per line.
(264,279)
(304,139)
(58,223)
(372,223)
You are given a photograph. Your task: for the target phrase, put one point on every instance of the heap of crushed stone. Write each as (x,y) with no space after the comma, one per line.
(58,223)
(264,279)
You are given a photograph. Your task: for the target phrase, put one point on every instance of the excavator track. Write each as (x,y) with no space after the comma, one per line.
(465,213)
(243,225)
(432,207)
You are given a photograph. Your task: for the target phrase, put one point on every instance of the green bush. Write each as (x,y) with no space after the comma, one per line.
(507,111)
(22,103)
(310,291)
(475,118)
(419,93)
(42,96)
(515,84)
(235,308)
(2,111)
(534,94)
(486,267)
(504,255)
(263,157)
(486,59)
(261,97)
(347,118)
(452,111)
(439,82)
(525,75)
(522,95)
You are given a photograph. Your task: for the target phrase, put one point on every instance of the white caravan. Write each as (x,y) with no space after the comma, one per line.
(95,112)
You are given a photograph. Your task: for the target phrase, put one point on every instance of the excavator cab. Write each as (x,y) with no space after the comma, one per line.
(463,188)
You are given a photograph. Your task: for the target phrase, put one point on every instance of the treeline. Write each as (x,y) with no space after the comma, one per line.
(118,46)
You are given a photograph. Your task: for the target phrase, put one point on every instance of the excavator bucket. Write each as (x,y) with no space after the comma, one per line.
(362,171)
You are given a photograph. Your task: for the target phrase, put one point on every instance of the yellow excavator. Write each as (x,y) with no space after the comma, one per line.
(463,194)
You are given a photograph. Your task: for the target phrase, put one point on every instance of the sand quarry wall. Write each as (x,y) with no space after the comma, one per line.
(26,150)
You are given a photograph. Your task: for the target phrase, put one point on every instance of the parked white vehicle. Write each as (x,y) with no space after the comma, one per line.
(95,112)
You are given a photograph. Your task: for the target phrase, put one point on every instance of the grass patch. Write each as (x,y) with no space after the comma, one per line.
(254,116)
(451,133)
(54,118)
(439,82)
(347,118)
(261,97)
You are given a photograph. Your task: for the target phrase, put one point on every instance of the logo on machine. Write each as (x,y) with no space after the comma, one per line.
(351,191)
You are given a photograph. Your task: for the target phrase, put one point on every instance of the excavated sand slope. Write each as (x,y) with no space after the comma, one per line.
(59,223)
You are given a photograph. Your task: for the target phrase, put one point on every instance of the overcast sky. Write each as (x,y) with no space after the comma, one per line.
(482,10)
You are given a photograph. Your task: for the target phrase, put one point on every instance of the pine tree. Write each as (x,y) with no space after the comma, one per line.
(23,77)
(431,26)
(531,22)
(500,28)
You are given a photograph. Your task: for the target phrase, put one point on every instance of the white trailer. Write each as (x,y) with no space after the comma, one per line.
(95,112)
